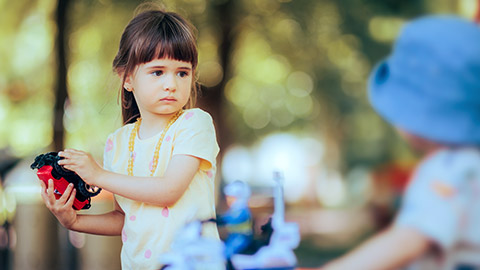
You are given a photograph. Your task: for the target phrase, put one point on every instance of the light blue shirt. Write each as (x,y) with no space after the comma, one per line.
(442,201)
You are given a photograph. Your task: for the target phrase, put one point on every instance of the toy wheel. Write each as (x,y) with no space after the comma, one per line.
(60,169)
(88,190)
(94,190)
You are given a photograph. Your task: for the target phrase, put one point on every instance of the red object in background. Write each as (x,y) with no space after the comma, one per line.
(395,175)
(45,173)
(477,15)
(400,176)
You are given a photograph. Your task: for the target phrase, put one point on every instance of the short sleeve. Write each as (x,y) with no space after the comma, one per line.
(434,202)
(108,153)
(196,137)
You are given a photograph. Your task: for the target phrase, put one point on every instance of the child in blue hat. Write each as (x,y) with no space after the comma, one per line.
(429,90)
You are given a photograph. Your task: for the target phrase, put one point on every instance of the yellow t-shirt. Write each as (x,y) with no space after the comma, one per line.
(148,229)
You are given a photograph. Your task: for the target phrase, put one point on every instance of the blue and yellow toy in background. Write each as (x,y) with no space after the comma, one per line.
(237,221)
(191,251)
(278,254)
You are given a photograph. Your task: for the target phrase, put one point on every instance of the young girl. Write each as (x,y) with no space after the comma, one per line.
(161,164)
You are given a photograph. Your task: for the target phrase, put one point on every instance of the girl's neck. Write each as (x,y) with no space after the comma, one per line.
(152,125)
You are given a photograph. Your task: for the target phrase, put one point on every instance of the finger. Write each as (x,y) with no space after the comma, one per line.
(44,187)
(43,192)
(68,158)
(70,201)
(69,153)
(65,194)
(62,153)
(70,167)
(64,161)
(50,197)
(66,154)
(50,187)
(73,151)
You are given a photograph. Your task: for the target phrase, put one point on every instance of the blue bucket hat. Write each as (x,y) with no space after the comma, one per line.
(430,84)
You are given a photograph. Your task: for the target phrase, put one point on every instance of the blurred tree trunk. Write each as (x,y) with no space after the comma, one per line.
(61,94)
(212,99)
(67,258)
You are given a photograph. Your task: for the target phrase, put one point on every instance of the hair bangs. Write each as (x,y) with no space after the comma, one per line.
(166,38)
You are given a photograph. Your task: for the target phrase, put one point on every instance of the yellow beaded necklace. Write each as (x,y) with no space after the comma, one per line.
(131,143)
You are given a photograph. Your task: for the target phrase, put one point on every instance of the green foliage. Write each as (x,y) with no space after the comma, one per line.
(298,66)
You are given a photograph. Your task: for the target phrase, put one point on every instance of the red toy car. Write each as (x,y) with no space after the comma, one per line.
(48,168)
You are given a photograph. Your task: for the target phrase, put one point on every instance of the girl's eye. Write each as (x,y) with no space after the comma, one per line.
(182,74)
(157,72)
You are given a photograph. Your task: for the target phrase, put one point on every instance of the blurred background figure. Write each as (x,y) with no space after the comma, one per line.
(284,81)
(428,88)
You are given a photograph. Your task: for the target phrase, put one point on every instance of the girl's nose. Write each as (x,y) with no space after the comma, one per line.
(170,83)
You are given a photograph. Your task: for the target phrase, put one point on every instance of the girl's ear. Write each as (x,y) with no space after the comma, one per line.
(127,85)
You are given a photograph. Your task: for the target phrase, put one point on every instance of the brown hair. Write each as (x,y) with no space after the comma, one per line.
(151,35)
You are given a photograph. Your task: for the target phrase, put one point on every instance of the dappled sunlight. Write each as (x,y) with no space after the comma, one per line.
(385,29)
(211,73)
(331,189)
(297,157)
(33,45)
(237,164)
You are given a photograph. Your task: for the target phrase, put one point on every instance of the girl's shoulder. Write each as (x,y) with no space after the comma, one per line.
(455,155)
(122,132)
(197,114)
(453,160)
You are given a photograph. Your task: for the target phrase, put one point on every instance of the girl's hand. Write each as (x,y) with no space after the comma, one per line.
(61,208)
(82,163)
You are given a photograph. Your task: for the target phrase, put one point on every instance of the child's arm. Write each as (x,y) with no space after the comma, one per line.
(164,191)
(391,249)
(110,223)
(106,224)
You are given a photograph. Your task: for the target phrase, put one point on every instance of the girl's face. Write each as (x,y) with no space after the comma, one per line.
(161,87)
